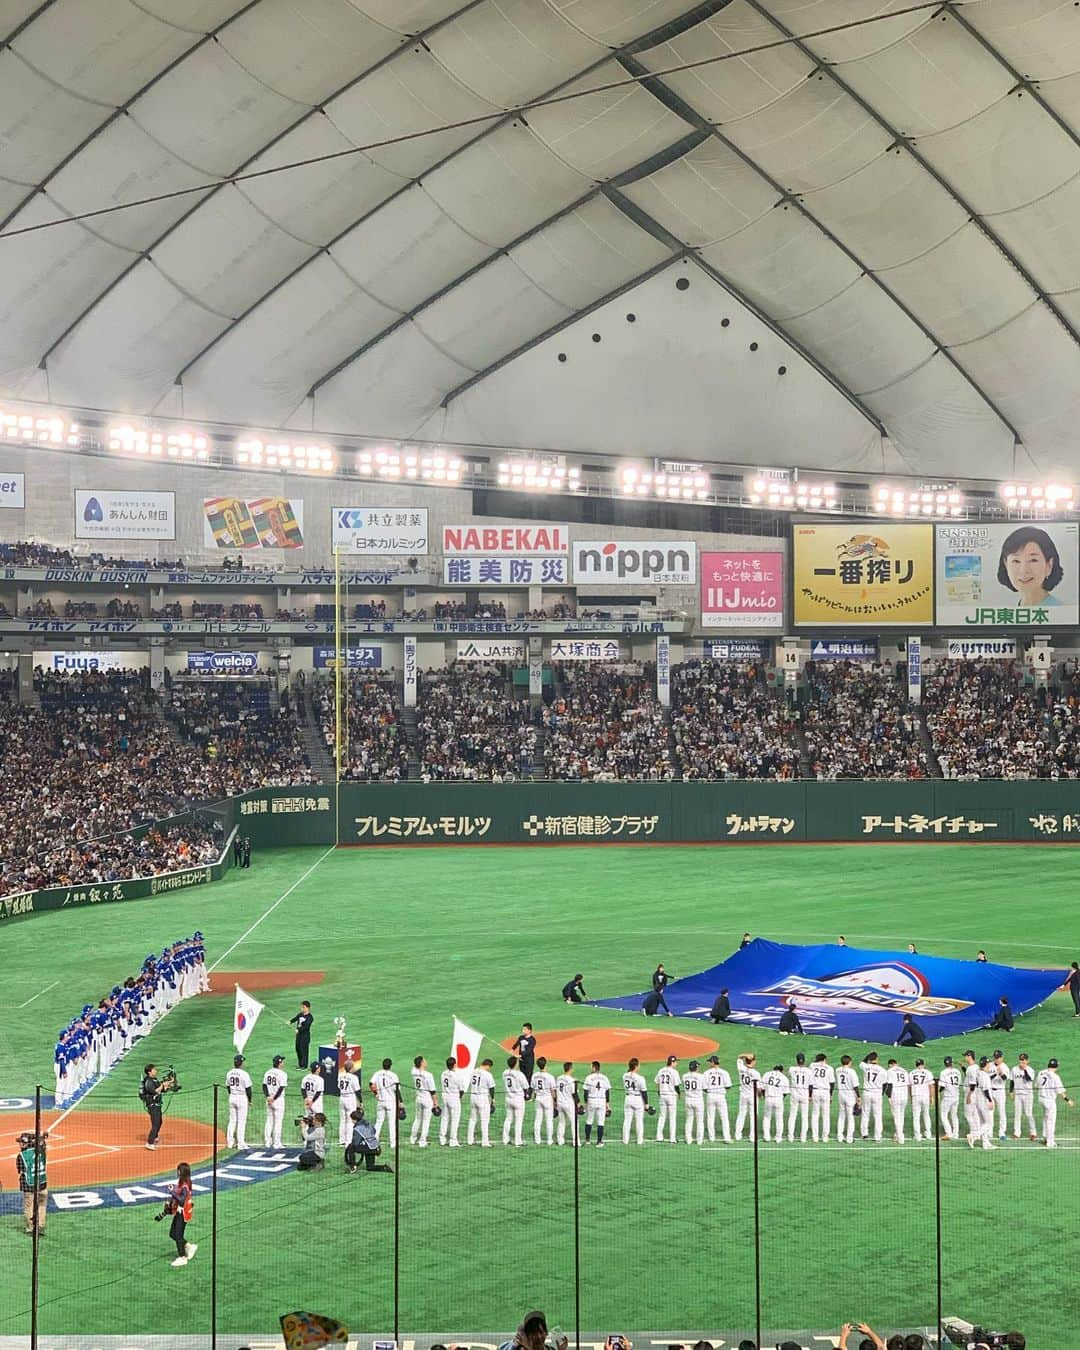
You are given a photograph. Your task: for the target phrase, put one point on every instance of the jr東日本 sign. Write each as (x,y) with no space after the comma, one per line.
(843,649)
(356,658)
(504,570)
(223,665)
(506,539)
(586,651)
(881,574)
(1008,575)
(13,490)
(253,522)
(742,590)
(124,515)
(670,562)
(483,649)
(981,649)
(387,531)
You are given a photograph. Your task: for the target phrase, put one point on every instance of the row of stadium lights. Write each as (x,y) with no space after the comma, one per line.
(527,475)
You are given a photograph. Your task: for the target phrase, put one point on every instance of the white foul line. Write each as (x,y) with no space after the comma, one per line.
(284,896)
(38,994)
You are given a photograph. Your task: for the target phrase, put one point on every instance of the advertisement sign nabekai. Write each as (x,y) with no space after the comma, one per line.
(124,515)
(879,574)
(511,539)
(742,590)
(253,522)
(1008,575)
(388,531)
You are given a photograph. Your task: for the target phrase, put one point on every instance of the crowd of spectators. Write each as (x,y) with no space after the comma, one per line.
(728,724)
(985,722)
(457,610)
(27,553)
(80,609)
(40,609)
(375,750)
(561,609)
(607,724)
(120,857)
(470,727)
(239,733)
(858,723)
(171,610)
(122,609)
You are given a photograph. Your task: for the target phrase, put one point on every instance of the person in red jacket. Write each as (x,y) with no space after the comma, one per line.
(181,1206)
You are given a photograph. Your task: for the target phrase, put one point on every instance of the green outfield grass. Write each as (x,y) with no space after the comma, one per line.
(410,937)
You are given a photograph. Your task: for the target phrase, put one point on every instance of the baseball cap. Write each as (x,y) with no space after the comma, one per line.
(920,1063)
(714,1059)
(983,1061)
(998,1054)
(1051,1063)
(239,1059)
(693,1065)
(278,1059)
(800,1058)
(947,1061)
(673,1059)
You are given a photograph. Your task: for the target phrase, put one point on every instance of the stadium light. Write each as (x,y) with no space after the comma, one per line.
(797,496)
(664,485)
(938,502)
(37,428)
(437,467)
(538,475)
(285,455)
(144,440)
(1038,496)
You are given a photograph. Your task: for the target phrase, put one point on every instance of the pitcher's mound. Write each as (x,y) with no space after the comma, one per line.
(225,981)
(615,1045)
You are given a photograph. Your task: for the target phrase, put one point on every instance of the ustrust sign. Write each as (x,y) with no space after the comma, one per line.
(505,539)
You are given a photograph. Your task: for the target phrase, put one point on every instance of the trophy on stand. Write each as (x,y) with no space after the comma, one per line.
(332,1058)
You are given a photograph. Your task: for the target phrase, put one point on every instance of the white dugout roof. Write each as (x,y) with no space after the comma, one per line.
(888,210)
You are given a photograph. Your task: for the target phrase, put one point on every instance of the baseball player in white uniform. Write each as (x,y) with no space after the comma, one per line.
(776,1088)
(238,1083)
(799,1078)
(717,1086)
(384,1084)
(1000,1074)
(922,1094)
(668,1084)
(515,1086)
(543,1086)
(749,1078)
(693,1086)
(847,1094)
(275,1081)
(427,1099)
(481,1102)
(566,1104)
(822,1082)
(950,1081)
(452,1081)
(312,1090)
(634,1103)
(1023,1082)
(873,1076)
(348,1086)
(1050,1089)
(597,1089)
(898,1087)
(977,1100)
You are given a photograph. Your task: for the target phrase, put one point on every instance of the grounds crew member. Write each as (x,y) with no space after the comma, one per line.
(33,1180)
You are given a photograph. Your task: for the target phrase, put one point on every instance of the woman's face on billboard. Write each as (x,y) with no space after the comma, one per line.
(1028,568)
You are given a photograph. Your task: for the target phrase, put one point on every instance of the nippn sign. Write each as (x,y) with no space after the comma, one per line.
(672,562)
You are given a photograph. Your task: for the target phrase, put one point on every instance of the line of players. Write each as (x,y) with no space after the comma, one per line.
(92,1042)
(803,1093)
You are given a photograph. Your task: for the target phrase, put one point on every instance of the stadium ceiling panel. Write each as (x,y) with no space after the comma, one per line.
(889,207)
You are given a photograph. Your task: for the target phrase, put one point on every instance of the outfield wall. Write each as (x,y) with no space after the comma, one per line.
(621,813)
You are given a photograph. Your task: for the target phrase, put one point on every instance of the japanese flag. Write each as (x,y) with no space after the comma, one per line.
(245,1017)
(466,1044)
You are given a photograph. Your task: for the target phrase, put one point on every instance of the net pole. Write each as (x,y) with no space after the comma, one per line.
(577,1231)
(337,695)
(348,668)
(937,1209)
(397,1212)
(756,1122)
(35,1260)
(214,1230)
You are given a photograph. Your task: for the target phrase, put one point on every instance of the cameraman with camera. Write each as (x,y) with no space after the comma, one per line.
(150,1095)
(313,1158)
(33,1180)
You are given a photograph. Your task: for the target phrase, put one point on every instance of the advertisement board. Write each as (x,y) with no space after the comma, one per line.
(478,569)
(1006,575)
(742,590)
(253,522)
(981,649)
(124,515)
(879,574)
(357,658)
(12,491)
(224,665)
(511,539)
(585,650)
(388,531)
(491,649)
(843,649)
(737,649)
(670,562)
(78,661)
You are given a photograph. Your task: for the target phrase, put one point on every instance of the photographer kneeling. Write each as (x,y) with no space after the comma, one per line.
(313,1129)
(364,1141)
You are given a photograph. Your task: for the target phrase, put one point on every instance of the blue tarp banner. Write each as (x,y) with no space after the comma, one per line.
(858,994)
